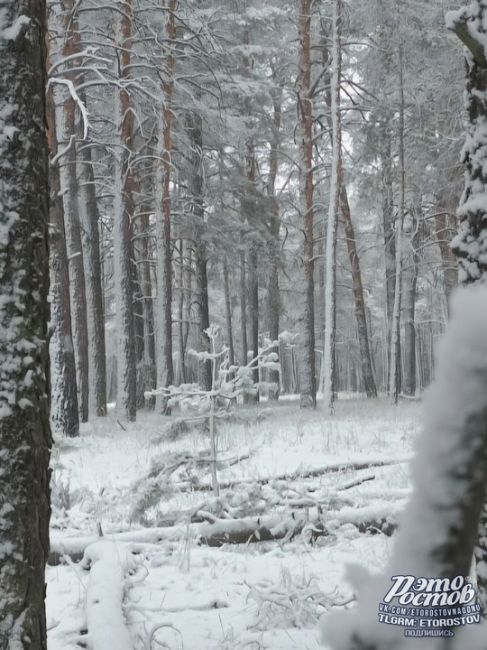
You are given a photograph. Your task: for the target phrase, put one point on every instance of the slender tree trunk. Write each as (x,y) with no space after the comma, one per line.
(64,393)
(358,294)
(181,351)
(147,301)
(410,280)
(254,314)
(122,232)
(443,231)
(249,210)
(66,22)
(88,212)
(308,383)
(395,354)
(25,437)
(138,316)
(334,204)
(195,182)
(228,314)
(243,309)
(69,192)
(274,242)
(358,291)
(388,230)
(164,338)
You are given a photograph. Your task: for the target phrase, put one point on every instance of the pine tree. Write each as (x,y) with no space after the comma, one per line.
(25,436)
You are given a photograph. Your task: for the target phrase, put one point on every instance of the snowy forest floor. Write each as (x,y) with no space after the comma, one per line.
(268,594)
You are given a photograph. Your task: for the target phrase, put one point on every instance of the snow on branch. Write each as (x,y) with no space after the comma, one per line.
(468,24)
(72,91)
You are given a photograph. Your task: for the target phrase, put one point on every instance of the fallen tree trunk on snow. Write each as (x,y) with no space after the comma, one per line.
(109,564)
(380,518)
(293,476)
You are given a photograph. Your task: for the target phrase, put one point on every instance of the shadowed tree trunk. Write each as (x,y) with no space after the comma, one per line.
(358,294)
(388,230)
(66,124)
(358,291)
(306,191)
(410,281)
(88,212)
(444,230)
(25,436)
(64,406)
(395,354)
(228,314)
(195,185)
(164,338)
(336,183)
(122,232)
(243,309)
(274,241)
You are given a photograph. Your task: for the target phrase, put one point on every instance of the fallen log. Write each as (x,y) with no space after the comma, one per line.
(109,565)
(380,518)
(293,476)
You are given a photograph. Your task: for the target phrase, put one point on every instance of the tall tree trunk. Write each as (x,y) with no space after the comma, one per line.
(358,291)
(64,393)
(228,313)
(122,232)
(444,214)
(410,280)
(69,192)
(138,316)
(25,437)
(395,354)
(147,301)
(334,204)
(358,294)
(249,213)
(254,315)
(194,128)
(182,351)
(274,240)
(388,230)
(164,338)
(88,212)
(243,309)
(66,122)
(306,191)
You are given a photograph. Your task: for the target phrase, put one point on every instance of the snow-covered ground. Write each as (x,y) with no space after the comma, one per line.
(270,594)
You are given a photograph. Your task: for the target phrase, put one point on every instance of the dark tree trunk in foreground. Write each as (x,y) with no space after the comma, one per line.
(25,436)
